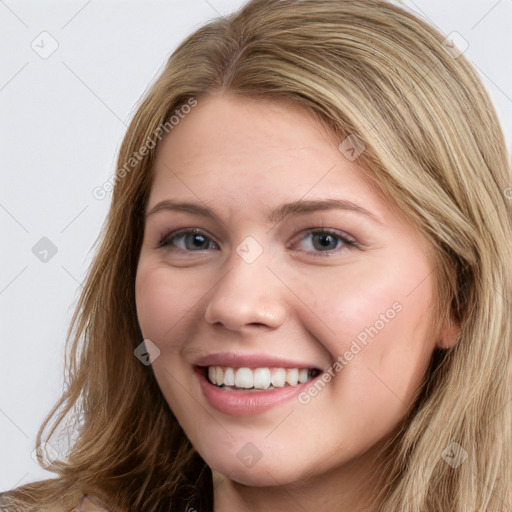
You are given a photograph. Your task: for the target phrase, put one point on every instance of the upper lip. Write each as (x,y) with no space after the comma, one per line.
(233,360)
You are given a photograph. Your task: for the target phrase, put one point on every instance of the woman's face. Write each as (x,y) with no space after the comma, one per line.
(266,249)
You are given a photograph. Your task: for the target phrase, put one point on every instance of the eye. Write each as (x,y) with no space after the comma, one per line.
(319,240)
(188,240)
(326,241)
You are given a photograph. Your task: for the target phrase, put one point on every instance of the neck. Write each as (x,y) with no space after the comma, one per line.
(344,489)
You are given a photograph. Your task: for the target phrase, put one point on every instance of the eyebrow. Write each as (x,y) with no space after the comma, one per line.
(295,208)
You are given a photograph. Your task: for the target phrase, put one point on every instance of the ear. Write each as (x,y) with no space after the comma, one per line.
(449,334)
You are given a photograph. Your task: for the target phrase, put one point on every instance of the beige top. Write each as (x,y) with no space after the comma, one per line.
(89,503)
(86,503)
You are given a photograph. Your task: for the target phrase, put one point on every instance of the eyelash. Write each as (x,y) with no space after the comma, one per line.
(348,242)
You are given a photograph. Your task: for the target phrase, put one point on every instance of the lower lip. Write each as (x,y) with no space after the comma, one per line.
(240,403)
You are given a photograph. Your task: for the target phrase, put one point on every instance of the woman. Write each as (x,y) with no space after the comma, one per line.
(302,294)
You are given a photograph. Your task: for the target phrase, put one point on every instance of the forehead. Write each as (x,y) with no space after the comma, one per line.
(239,147)
(233,129)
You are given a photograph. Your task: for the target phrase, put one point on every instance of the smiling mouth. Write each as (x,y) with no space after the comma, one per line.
(257,379)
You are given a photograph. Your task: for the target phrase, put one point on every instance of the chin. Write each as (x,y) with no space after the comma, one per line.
(263,473)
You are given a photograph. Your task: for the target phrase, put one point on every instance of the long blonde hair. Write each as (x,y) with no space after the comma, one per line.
(432,143)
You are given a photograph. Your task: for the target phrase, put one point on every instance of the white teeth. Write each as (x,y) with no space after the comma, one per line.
(212,374)
(292,376)
(278,378)
(261,378)
(244,378)
(219,374)
(258,378)
(229,377)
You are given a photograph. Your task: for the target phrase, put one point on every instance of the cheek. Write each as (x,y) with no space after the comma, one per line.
(376,318)
(350,302)
(163,303)
(382,347)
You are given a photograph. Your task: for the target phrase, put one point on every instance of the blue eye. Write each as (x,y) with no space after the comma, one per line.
(326,241)
(318,240)
(189,240)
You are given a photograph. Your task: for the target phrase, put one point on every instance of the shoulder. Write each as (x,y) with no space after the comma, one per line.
(10,501)
(83,503)
(16,505)
(90,503)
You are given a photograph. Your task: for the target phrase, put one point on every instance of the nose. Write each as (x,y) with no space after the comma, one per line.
(248,296)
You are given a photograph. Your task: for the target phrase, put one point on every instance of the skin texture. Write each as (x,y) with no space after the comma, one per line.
(244,158)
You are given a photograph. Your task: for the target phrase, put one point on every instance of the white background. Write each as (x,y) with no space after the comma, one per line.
(61,124)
